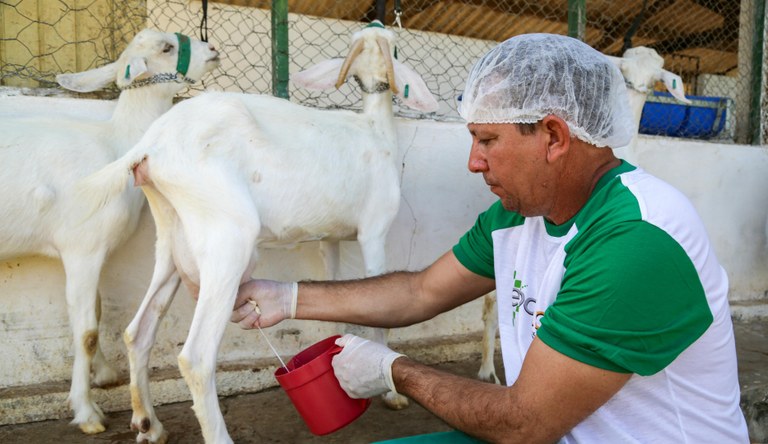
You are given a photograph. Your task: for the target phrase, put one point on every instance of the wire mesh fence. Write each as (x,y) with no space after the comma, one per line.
(711,44)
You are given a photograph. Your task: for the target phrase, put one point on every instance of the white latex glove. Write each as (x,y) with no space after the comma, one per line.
(363,367)
(264,303)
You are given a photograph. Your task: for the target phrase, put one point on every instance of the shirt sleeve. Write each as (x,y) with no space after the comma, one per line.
(475,248)
(631,301)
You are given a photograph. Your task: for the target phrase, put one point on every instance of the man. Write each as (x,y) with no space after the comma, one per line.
(613,310)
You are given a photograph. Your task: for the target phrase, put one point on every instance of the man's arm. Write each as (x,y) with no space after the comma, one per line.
(552,394)
(394,299)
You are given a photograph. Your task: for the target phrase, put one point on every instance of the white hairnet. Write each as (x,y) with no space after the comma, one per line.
(526,77)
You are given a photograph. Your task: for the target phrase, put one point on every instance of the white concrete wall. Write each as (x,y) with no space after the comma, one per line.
(727,183)
(440,201)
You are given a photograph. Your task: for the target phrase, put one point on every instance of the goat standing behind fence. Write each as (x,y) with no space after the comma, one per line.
(225,173)
(44,157)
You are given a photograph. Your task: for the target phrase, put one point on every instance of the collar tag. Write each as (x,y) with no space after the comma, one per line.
(185,52)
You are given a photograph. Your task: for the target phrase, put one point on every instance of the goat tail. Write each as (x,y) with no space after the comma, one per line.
(98,189)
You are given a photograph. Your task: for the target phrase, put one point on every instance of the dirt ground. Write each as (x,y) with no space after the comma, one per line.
(264,417)
(269,416)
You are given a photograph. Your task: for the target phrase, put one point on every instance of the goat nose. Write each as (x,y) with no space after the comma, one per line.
(211,47)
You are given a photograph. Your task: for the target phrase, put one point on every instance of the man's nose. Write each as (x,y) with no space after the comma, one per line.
(477,162)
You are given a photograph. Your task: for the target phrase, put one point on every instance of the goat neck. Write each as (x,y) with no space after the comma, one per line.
(378,108)
(378,105)
(137,108)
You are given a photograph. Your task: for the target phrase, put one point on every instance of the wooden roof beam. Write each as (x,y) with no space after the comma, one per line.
(615,30)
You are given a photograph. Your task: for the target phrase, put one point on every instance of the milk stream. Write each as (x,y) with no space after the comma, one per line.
(258,311)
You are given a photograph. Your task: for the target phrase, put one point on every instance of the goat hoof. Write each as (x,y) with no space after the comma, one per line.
(141,426)
(163,439)
(490,377)
(144,425)
(90,420)
(92,427)
(145,439)
(394,401)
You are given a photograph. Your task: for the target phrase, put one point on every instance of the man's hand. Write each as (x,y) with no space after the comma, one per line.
(364,368)
(263,303)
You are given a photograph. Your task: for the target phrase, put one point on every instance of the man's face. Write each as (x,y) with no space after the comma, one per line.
(513,165)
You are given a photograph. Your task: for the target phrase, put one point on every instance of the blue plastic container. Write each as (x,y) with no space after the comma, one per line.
(704,118)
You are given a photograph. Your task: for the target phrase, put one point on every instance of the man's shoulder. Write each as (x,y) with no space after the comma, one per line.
(637,196)
(496,217)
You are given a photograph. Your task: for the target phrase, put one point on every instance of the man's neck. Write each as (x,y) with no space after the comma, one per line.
(580,177)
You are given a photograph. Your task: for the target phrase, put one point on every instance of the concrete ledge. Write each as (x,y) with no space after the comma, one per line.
(745,311)
(41,402)
(49,401)
(754,404)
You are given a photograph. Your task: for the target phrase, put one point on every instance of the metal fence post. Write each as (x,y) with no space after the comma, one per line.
(757,72)
(577,18)
(279,15)
(381,11)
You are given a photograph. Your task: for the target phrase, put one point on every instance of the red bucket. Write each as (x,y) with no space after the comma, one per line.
(315,392)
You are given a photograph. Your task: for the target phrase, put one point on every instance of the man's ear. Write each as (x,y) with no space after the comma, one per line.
(559,137)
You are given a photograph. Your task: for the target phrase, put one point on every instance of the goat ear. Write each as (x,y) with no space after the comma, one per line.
(412,90)
(674,85)
(618,61)
(90,80)
(135,68)
(319,77)
(628,68)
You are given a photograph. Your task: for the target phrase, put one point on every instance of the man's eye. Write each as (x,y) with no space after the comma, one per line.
(484,141)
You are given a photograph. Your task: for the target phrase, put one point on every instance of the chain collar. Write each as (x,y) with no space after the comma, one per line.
(165,77)
(630,85)
(378,89)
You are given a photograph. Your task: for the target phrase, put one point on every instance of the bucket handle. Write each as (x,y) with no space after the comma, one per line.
(335,350)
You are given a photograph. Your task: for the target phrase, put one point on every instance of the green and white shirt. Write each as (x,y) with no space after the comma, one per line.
(629,284)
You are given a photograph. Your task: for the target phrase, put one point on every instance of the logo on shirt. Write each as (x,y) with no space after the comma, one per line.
(518,297)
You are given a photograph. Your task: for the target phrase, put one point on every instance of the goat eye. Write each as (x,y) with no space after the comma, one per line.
(168,47)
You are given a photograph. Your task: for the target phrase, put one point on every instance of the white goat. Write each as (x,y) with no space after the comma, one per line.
(225,173)
(41,213)
(641,68)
